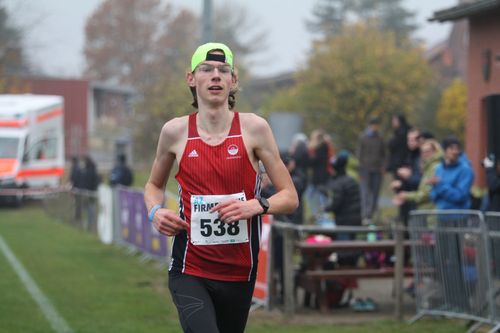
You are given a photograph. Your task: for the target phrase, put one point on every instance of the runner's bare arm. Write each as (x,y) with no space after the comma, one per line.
(258,136)
(165,220)
(285,201)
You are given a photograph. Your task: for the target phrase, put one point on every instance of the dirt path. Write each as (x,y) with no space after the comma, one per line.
(380,290)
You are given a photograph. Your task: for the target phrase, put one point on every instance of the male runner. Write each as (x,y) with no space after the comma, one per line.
(217,231)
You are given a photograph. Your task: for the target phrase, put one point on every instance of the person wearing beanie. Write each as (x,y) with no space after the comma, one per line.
(216,232)
(121,174)
(345,193)
(345,204)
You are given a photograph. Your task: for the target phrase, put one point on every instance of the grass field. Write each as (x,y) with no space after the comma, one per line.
(100,288)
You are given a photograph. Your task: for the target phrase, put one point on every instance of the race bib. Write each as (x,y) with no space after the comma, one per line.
(208,229)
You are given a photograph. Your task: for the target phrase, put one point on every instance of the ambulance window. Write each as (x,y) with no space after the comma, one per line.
(44,149)
(8,147)
(51,148)
(37,151)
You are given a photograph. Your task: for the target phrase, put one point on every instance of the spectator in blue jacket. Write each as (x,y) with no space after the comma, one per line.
(453,179)
(451,190)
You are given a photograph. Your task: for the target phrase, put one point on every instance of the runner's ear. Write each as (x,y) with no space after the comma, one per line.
(190,79)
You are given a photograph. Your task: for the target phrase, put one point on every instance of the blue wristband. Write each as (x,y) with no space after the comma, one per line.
(153,211)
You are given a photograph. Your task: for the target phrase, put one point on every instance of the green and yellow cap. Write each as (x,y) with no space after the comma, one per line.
(202,53)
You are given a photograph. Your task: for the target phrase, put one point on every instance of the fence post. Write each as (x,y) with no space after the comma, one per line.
(271,281)
(486,240)
(398,270)
(288,271)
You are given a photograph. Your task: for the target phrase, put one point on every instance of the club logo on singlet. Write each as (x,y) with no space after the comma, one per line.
(232,150)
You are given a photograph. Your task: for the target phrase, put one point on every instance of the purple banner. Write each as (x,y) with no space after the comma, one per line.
(135,227)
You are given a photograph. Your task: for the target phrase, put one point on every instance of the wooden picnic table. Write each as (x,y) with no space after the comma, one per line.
(317,255)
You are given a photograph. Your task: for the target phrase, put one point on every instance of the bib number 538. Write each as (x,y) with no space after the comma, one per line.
(218,228)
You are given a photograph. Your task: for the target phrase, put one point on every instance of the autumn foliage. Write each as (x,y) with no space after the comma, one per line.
(453,109)
(352,76)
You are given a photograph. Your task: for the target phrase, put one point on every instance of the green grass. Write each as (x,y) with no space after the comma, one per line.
(16,300)
(99,288)
(96,288)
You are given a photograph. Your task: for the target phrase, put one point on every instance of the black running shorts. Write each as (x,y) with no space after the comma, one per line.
(210,306)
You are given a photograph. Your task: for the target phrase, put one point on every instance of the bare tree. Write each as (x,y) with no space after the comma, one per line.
(12,58)
(122,39)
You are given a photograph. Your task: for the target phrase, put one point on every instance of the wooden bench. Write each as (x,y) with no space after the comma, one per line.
(355,273)
(336,246)
(313,278)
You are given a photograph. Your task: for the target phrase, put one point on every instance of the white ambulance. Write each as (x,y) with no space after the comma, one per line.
(31,143)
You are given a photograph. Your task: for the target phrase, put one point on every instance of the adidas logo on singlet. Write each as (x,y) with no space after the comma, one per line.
(193,153)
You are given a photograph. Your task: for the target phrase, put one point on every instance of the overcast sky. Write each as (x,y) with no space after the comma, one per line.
(55,29)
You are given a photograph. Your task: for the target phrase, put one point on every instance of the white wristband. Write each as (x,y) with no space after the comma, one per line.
(153,211)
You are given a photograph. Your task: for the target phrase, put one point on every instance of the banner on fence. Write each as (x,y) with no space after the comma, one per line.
(136,229)
(260,294)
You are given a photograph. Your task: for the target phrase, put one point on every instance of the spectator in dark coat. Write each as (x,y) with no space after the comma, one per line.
(90,182)
(299,152)
(492,167)
(76,173)
(409,174)
(371,155)
(345,204)
(76,179)
(397,147)
(121,173)
(90,178)
(346,199)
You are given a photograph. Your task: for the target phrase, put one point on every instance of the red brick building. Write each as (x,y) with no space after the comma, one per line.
(95,116)
(482,77)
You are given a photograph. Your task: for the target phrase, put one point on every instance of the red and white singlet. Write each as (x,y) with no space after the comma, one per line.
(207,175)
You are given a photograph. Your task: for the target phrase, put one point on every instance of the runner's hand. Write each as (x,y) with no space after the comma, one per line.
(168,223)
(234,210)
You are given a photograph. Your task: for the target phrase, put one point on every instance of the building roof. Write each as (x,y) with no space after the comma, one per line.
(465,10)
(435,50)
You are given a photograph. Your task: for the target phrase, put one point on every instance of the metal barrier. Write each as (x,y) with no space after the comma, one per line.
(455,253)
(451,258)
(493,225)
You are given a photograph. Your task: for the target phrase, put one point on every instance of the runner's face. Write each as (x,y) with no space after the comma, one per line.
(213,81)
